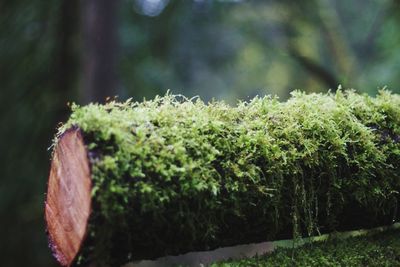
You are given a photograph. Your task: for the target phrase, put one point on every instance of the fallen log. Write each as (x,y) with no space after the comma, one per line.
(133,181)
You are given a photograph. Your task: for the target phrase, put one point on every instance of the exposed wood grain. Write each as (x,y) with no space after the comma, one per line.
(68,200)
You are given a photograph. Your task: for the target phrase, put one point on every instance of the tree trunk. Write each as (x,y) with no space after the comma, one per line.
(99,19)
(66,57)
(158,179)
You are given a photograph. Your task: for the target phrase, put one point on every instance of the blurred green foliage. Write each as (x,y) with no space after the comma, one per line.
(216,49)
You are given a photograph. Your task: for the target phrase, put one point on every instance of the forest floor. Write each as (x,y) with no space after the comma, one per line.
(378,249)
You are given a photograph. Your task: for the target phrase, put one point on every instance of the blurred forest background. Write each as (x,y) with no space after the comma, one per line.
(54,52)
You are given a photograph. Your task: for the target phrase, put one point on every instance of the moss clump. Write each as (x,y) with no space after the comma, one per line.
(381,249)
(173,175)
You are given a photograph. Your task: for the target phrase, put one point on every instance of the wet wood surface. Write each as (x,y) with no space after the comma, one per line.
(68,198)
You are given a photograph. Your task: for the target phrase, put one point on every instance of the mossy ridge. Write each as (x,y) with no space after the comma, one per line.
(219,175)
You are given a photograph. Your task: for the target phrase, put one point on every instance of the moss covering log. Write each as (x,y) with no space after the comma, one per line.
(173,175)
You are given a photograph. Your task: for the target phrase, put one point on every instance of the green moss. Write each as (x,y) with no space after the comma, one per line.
(172,175)
(381,249)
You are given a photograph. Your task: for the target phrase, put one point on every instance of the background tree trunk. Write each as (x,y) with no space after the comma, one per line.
(66,56)
(100,42)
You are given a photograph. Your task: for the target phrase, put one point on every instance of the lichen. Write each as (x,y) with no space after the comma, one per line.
(173,174)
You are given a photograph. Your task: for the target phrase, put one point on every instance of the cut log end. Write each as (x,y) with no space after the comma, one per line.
(68,199)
